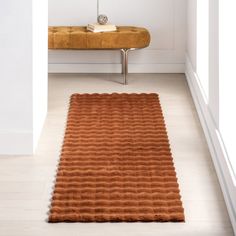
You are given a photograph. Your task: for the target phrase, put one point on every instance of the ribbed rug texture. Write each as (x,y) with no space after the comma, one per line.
(116,164)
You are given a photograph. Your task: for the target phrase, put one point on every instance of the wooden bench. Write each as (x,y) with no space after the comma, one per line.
(125,39)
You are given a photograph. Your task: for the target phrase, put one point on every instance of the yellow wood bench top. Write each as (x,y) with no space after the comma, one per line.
(77,37)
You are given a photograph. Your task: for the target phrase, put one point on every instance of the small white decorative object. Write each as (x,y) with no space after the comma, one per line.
(102,19)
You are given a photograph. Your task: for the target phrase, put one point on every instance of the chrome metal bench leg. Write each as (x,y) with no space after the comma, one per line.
(124,62)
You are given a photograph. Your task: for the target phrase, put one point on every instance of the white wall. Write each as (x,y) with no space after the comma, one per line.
(192,32)
(227,113)
(18,67)
(165,19)
(40,66)
(202,49)
(208,106)
(226,74)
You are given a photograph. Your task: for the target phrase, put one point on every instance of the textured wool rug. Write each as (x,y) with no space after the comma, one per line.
(116,163)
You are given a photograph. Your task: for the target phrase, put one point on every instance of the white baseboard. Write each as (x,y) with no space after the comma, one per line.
(116,68)
(215,143)
(16,143)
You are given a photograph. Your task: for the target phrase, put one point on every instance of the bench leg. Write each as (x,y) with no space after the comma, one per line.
(122,61)
(124,64)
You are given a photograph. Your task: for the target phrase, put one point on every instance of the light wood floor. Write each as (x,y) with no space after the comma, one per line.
(26,181)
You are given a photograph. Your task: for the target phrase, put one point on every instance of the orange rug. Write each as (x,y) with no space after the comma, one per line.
(116,163)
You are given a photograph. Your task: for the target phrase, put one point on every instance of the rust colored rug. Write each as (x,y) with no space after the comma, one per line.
(116,164)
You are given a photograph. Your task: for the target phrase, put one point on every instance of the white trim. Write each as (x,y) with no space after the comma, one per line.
(16,143)
(38,129)
(215,143)
(116,68)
